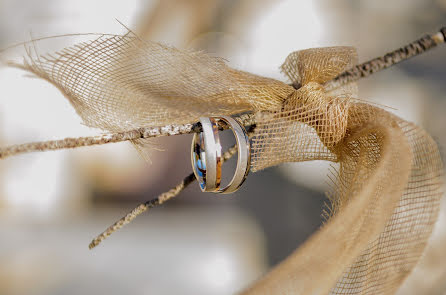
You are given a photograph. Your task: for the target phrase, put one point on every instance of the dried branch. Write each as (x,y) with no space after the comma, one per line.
(150,132)
(154,202)
(142,208)
(370,67)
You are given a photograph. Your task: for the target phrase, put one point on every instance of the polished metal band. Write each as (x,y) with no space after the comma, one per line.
(206,155)
(244,155)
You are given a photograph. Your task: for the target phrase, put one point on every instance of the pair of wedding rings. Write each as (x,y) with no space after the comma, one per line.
(206,155)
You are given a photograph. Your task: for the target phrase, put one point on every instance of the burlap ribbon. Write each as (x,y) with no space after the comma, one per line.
(385,198)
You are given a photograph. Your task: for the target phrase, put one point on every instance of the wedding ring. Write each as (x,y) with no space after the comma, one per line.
(206,155)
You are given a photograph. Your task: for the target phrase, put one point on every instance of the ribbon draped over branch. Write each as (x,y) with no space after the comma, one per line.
(385,196)
(387,191)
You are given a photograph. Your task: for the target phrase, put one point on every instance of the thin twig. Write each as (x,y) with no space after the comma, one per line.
(142,208)
(246,119)
(68,143)
(392,58)
(154,202)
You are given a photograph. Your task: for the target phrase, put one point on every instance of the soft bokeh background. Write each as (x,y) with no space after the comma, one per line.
(52,204)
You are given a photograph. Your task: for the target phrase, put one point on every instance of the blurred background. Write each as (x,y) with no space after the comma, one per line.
(52,204)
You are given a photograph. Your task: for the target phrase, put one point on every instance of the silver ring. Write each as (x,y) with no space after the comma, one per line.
(206,155)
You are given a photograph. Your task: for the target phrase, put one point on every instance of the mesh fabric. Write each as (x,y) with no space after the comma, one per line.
(387,191)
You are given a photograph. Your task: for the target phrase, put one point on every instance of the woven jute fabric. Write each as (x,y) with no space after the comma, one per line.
(387,188)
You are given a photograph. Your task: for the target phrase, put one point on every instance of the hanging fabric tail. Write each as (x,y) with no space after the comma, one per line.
(387,195)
